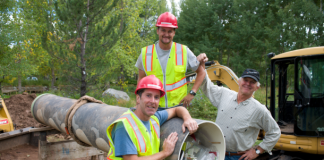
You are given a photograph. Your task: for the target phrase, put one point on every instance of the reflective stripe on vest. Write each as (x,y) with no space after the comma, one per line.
(146,143)
(156,127)
(149,57)
(179,55)
(171,87)
(173,78)
(138,133)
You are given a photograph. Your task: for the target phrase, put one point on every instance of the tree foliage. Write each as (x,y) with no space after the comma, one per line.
(88,42)
(239,33)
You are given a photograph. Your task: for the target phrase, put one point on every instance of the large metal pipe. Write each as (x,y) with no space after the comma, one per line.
(91,120)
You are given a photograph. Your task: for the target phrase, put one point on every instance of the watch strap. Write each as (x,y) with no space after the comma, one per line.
(192,92)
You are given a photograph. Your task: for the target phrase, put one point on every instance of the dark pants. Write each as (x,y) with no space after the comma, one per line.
(231,157)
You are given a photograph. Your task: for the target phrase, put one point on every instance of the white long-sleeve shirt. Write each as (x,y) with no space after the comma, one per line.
(241,123)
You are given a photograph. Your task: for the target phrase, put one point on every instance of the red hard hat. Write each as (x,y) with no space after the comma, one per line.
(167,19)
(150,82)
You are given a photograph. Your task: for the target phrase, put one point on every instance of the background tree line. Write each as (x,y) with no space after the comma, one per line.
(86,43)
(240,33)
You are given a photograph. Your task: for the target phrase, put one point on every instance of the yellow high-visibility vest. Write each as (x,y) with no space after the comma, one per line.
(145,143)
(174,81)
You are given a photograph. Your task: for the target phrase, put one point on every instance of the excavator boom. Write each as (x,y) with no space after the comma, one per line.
(218,73)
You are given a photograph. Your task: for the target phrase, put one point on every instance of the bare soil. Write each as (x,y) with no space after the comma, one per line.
(19,108)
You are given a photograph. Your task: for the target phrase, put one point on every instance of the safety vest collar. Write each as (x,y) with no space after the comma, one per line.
(149,55)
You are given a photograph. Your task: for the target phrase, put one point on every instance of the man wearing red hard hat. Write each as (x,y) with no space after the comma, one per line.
(136,134)
(169,62)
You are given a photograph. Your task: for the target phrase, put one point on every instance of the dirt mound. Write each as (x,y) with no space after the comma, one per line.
(19,108)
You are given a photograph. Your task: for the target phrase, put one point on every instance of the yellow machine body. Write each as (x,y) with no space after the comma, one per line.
(312,145)
(6,124)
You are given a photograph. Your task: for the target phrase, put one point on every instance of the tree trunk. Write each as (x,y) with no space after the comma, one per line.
(83,82)
(83,89)
(53,77)
(228,59)
(3,77)
(122,77)
(221,57)
(19,83)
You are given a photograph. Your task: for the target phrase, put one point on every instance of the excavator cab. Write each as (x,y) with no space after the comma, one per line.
(297,99)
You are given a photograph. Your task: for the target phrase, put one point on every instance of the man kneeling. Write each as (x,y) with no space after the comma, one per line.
(136,134)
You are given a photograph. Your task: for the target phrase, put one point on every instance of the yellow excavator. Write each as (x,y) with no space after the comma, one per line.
(296,100)
(6,124)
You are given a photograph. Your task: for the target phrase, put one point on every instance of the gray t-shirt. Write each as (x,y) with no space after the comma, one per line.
(163,56)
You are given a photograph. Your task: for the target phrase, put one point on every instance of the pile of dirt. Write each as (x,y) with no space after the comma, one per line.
(19,108)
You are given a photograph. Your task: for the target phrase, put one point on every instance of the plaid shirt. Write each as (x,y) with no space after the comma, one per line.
(241,123)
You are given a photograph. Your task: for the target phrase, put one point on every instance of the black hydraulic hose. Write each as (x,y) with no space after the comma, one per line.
(209,63)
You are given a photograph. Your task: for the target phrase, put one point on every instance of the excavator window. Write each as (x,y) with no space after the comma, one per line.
(309,110)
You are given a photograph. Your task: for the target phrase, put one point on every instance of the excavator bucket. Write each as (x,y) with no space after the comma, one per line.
(6,124)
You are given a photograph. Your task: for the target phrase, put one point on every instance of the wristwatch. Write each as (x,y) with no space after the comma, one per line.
(257,151)
(192,92)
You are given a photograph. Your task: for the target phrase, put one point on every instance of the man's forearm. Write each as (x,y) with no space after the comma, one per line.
(182,113)
(199,78)
(272,132)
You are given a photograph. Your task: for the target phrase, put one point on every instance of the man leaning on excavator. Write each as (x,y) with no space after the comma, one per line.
(169,62)
(136,134)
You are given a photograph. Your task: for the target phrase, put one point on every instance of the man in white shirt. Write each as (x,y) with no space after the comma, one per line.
(241,117)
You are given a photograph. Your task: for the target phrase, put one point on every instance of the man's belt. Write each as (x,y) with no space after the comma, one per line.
(233,153)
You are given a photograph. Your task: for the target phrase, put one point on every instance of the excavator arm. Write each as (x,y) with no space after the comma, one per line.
(218,73)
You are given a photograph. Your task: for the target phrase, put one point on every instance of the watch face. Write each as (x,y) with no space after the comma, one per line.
(257,151)
(192,92)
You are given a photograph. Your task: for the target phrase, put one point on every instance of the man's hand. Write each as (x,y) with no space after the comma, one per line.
(169,144)
(191,124)
(186,100)
(249,155)
(202,58)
